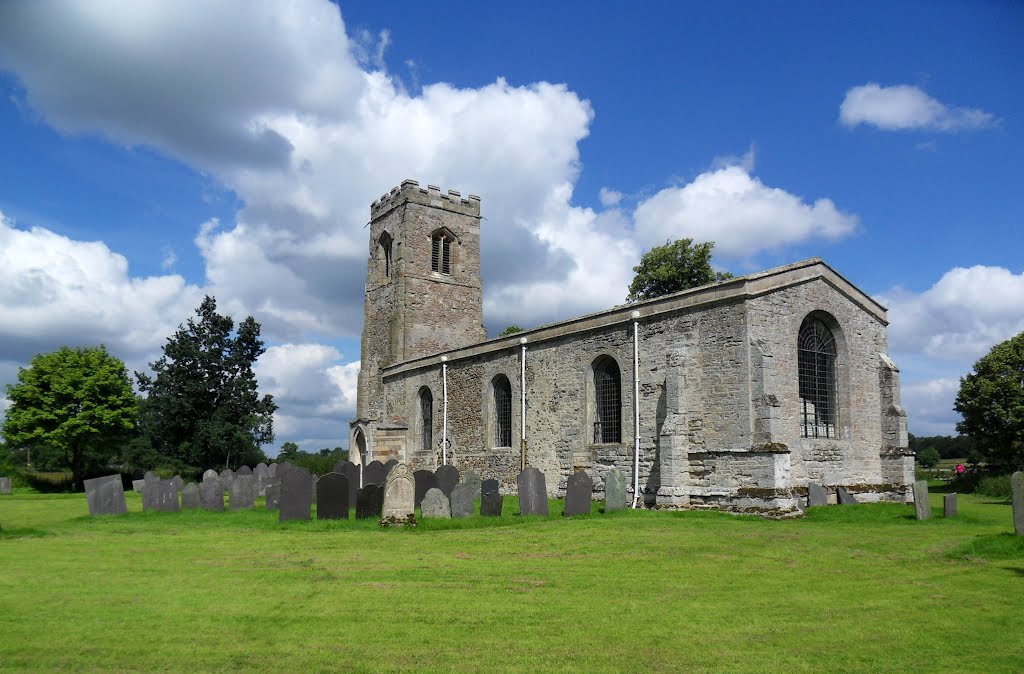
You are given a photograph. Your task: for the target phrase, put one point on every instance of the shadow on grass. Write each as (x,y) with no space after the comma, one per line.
(23,532)
(991,547)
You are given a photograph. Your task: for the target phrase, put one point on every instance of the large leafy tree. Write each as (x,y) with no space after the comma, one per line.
(74,405)
(675,266)
(203,406)
(991,401)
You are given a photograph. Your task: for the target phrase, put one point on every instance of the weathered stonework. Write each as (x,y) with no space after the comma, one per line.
(719,401)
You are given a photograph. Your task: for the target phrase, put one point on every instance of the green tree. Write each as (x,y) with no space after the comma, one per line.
(928,457)
(203,406)
(991,402)
(76,405)
(676,266)
(510,330)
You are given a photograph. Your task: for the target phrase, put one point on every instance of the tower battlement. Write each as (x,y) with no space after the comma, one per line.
(411,192)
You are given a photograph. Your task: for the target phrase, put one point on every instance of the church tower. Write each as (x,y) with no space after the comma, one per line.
(423,289)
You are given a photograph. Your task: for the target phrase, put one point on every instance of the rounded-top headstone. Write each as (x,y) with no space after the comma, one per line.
(447,477)
(578,492)
(210,472)
(244,470)
(424,481)
(399,493)
(435,504)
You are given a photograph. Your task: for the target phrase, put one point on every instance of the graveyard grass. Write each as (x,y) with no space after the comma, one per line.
(857,588)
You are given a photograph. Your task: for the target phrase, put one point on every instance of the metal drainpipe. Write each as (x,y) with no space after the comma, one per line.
(522,404)
(636,406)
(444,414)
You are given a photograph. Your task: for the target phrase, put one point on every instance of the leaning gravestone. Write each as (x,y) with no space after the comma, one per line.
(463,500)
(190,496)
(817,495)
(242,492)
(105,496)
(332,497)
(369,501)
(578,491)
(425,481)
(1017,489)
(296,494)
(351,471)
(921,507)
(489,485)
(473,478)
(399,494)
(533,493)
(490,505)
(273,494)
(949,505)
(435,505)
(211,494)
(614,490)
(374,473)
(165,496)
(5,485)
(447,477)
(844,497)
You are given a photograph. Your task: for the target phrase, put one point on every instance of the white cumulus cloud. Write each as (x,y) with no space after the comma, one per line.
(903,106)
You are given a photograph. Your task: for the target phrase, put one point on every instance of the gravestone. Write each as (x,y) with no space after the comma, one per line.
(351,471)
(178,483)
(5,485)
(817,495)
(949,505)
(273,494)
(105,496)
(165,498)
(150,475)
(211,494)
(244,470)
(533,493)
(489,485)
(374,473)
(388,465)
(272,469)
(1017,495)
(312,493)
(262,474)
(435,504)
(921,507)
(369,501)
(296,494)
(332,497)
(424,482)
(399,493)
(150,492)
(473,478)
(227,476)
(844,497)
(138,486)
(614,490)
(283,468)
(463,499)
(210,472)
(447,477)
(190,496)
(490,505)
(242,492)
(578,490)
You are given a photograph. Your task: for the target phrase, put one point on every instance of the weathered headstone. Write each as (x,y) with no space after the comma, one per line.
(211,494)
(447,477)
(151,492)
(369,501)
(351,471)
(424,482)
(388,465)
(138,486)
(242,492)
(150,475)
(283,468)
(374,473)
(488,486)
(272,469)
(578,491)
(817,495)
(332,497)
(165,496)
(949,505)
(262,474)
(296,494)
(227,476)
(5,485)
(105,496)
(273,494)
(844,497)
(614,490)
(921,507)
(490,505)
(473,478)
(533,493)
(178,483)
(399,493)
(463,500)
(1017,496)
(243,470)
(435,504)
(190,496)
(210,472)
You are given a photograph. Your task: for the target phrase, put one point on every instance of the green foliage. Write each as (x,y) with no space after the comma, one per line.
(991,402)
(203,407)
(70,407)
(996,486)
(510,330)
(676,266)
(928,457)
(948,446)
(320,462)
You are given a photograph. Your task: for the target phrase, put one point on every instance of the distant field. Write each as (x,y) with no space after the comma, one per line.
(862,588)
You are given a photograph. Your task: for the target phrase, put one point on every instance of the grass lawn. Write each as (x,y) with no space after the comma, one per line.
(859,588)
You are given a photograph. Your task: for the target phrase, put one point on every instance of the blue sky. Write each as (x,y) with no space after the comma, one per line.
(155,151)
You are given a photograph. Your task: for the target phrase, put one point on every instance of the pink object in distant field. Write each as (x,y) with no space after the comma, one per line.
(960,469)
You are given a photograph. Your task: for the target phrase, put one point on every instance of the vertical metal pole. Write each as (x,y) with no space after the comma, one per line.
(522,404)
(444,421)
(636,407)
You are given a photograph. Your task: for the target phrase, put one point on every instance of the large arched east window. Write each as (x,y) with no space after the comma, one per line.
(816,363)
(607,401)
(441,253)
(502,396)
(426,416)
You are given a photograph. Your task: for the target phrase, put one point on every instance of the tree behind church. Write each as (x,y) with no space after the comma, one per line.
(675,266)
(202,407)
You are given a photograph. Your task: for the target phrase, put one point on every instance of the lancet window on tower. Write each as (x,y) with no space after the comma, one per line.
(441,253)
(426,419)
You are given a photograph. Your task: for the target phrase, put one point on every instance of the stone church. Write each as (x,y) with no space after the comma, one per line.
(735,395)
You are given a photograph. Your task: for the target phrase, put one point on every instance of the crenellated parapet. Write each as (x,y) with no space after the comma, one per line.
(411,192)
